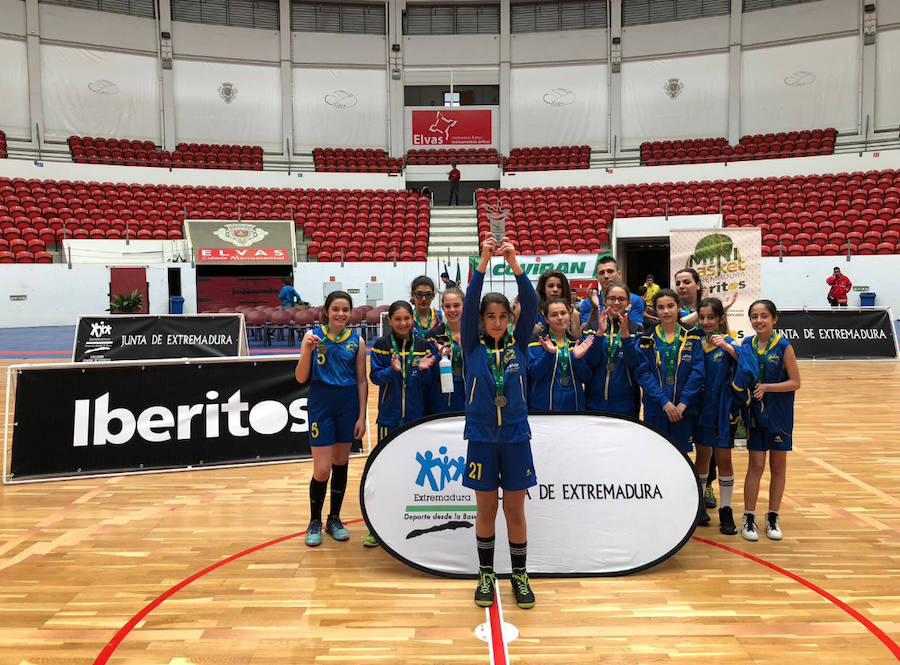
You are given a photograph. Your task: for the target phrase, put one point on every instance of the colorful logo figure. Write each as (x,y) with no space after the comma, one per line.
(442,125)
(449,469)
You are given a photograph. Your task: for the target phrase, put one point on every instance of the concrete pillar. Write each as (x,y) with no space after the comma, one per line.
(734,73)
(505,77)
(614,51)
(287,77)
(33,55)
(395,77)
(167,78)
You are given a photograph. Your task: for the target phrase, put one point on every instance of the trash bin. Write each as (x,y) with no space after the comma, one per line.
(176,304)
(867,299)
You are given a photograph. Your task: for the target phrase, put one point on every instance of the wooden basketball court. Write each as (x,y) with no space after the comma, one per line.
(209,567)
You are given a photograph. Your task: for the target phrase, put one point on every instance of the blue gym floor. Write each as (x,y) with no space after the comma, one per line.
(55,342)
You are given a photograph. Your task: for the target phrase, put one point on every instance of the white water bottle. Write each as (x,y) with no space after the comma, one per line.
(446,368)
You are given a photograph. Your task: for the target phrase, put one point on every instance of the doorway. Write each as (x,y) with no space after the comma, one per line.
(645,257)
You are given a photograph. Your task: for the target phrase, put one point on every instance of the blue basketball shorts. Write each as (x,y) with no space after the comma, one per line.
(761,440)
(333,412)
(491,465)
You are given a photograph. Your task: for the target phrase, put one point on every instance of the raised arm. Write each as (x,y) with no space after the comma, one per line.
(472,302)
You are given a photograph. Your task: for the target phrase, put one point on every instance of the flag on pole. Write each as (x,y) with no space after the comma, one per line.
(458,273)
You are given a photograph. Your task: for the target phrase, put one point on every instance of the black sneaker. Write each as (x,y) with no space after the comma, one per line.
(709,497)
(703,519)
(726,521)
(522,589)
(484,592)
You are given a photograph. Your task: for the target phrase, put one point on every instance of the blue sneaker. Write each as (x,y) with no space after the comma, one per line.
(314,533)
(335,528)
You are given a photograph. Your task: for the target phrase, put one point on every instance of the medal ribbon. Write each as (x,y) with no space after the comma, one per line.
(497,368)
(614,344)
(670,350)
(562,352)
(419,323)
(455,352)
(405,364)
(761,359)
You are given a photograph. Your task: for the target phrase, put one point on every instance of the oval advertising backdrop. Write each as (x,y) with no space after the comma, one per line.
(613,497)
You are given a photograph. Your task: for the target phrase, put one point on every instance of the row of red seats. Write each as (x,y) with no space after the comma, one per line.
(548,158)
(3,152)
(25,257)
(302,315)
(750,147)
(125,152)
(356,160)
(453,156)
(576,218)
(362,222)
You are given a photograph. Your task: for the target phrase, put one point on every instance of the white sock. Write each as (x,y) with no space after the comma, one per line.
(726,489)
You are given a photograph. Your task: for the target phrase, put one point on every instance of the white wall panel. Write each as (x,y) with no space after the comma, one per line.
(340,108)
(14,113)
(99,93)
(887,77)
(800,86)
(12,17)
(674,98)
(565,105)
(251,117)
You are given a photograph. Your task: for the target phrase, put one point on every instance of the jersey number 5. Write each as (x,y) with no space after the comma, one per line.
(314,430)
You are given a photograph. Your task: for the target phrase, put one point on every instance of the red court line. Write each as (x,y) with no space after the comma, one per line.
(496,625)
(892,646)
(498,647)
(116,640)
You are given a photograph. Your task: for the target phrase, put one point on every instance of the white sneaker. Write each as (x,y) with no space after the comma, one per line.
(748,529)
(772,529)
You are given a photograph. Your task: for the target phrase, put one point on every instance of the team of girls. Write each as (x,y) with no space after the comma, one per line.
(689,376)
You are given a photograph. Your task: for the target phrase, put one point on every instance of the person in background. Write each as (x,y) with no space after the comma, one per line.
(453,177)
(652,289)
(448,283)
(607,273)
(840,286)
(421,293)
(288,294)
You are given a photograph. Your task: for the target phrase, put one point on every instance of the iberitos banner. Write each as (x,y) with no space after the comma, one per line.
(110,417)
(451,127)
(728,262)
(234,242)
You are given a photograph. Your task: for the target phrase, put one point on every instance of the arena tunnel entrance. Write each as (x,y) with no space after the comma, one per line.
(643,257)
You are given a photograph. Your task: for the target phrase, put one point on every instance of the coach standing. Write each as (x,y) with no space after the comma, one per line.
(453,178)
(840,286)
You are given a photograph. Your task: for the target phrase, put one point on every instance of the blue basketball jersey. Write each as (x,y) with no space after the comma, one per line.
(334,360)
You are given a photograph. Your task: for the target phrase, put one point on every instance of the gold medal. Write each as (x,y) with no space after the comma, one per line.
(564,381)
(670,380)
(611,367)
(500,400)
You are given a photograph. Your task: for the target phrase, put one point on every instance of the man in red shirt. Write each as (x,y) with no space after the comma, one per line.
(840,286)
(454,185)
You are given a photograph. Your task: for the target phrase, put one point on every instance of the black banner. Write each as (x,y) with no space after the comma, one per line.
(115,417)
(123,337)
(839,333)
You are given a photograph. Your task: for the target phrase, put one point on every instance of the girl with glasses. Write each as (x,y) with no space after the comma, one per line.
(424,316)
(613,359)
